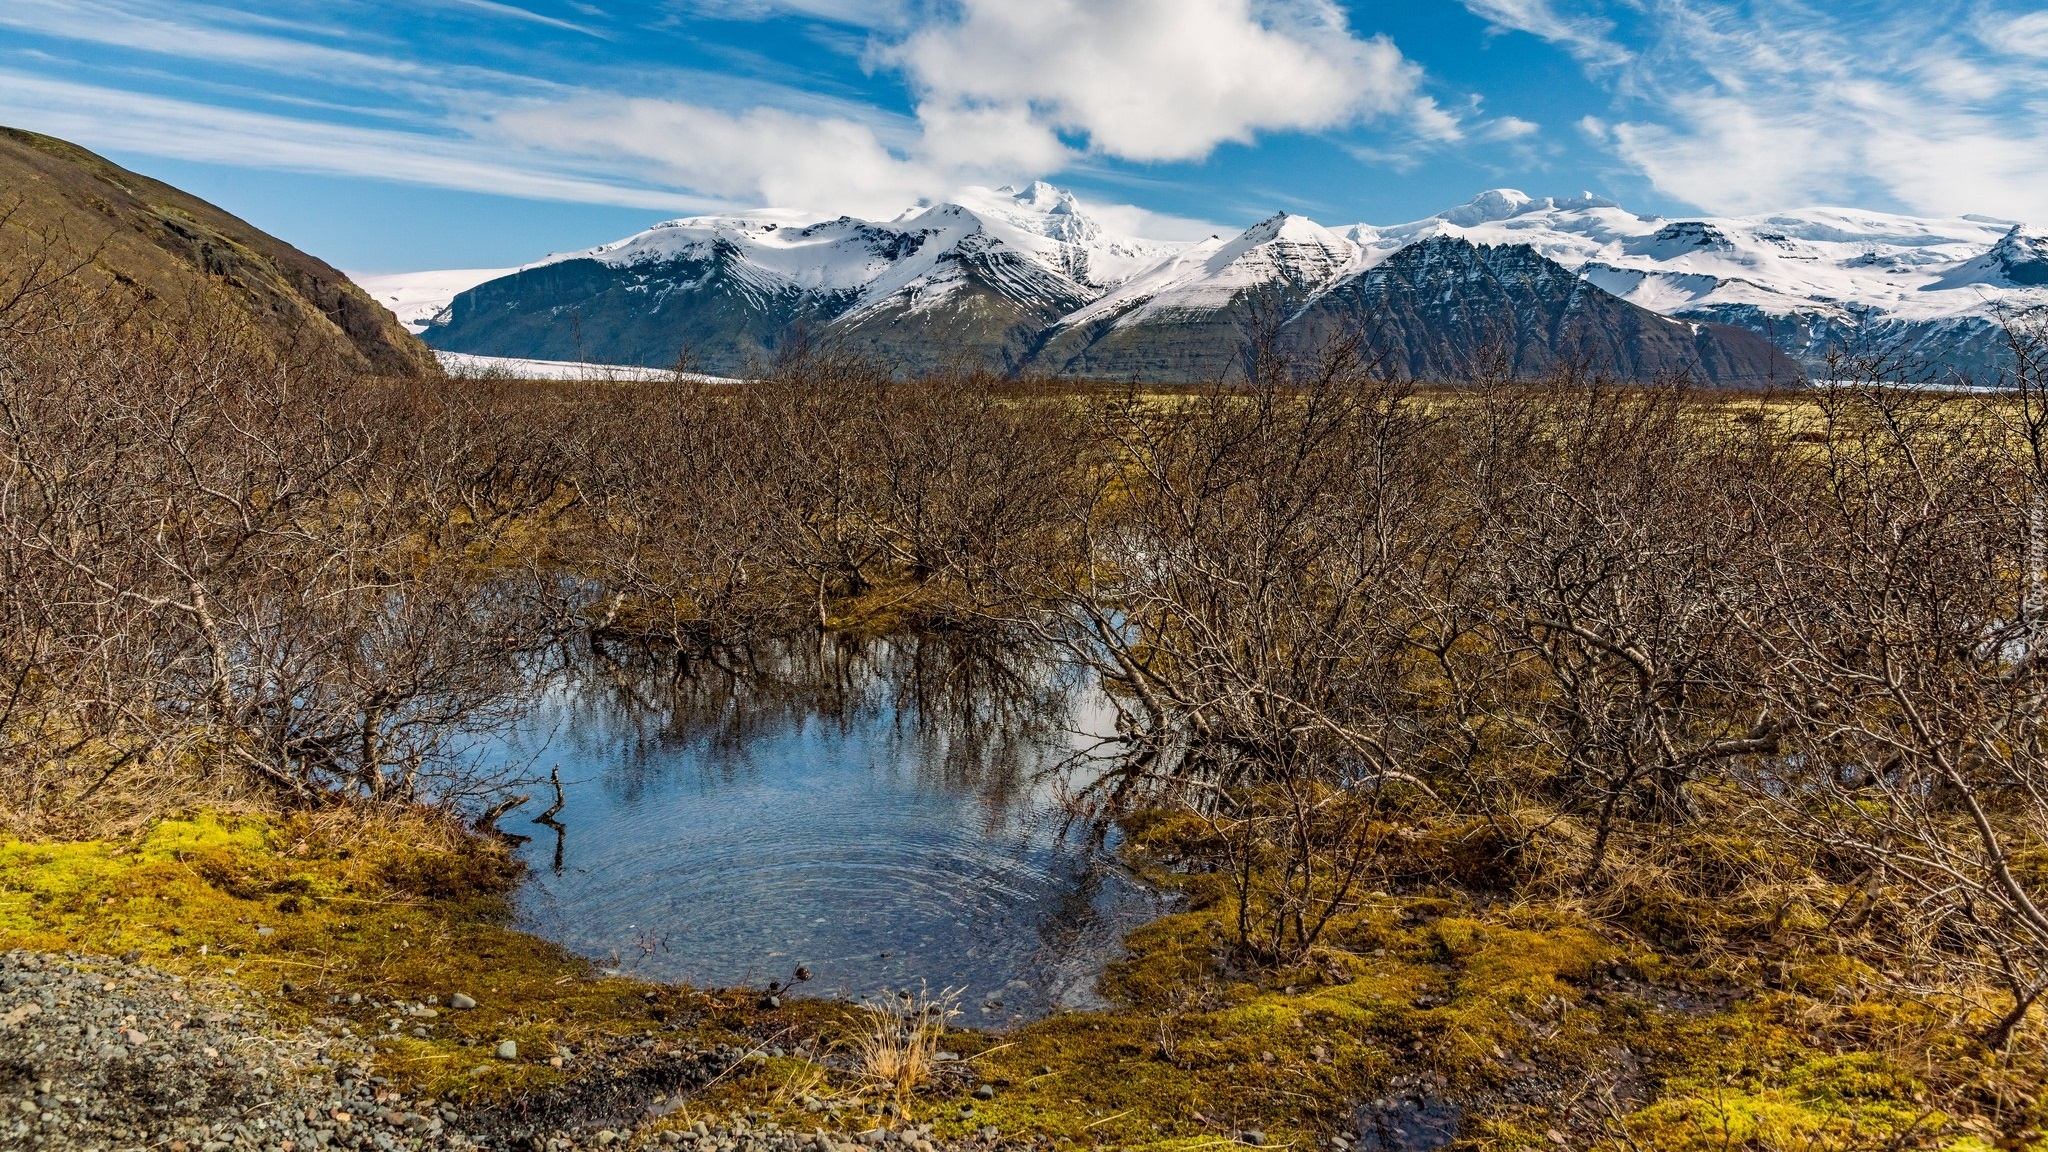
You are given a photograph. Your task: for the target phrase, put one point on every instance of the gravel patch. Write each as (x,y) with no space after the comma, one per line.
(97,1054)
(102,1055)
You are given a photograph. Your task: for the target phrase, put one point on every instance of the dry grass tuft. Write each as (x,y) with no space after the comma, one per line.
(896,1044)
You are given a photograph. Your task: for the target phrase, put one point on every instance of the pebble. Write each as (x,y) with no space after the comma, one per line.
(985,1093)
(462,1002)
(508,1050)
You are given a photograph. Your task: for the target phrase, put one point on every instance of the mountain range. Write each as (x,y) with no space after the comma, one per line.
(1024,279)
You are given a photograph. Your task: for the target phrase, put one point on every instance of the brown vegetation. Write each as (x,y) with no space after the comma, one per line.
(1754,679)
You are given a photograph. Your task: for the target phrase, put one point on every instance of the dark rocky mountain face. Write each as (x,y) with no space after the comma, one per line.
(700,312)
(2023,257)
(1444,309)
(162,244)
(1952,348)
(993,313)
(1170,347)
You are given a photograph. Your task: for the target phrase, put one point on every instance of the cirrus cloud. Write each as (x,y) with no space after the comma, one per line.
(1932,106)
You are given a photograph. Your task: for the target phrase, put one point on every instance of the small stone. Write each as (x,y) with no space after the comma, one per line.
(772,1002)
(606,1136)
(266,931)
(985,1092)
(1253,1137)
(462,1002)
(508,1050)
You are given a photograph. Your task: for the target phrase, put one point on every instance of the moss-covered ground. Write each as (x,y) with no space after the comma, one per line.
(1541,1028)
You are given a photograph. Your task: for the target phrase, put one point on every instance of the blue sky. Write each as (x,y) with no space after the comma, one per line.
(389,136)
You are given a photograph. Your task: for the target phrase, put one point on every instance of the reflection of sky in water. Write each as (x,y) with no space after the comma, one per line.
(881,814)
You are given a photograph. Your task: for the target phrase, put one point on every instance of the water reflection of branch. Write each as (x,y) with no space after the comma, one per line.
(972,716)
(547,818)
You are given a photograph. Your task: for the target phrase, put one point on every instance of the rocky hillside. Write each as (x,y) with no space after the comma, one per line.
(156,242)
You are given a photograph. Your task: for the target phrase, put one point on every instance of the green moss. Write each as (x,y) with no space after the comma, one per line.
(387,909)
(1514,1011)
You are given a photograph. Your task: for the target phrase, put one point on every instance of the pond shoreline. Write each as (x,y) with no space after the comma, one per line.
(1435,1014)
(883,813)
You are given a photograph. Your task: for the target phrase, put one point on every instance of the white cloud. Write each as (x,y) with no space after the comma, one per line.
(1134,221)
(762,155)
(159,126)
(1585,36)
(1731,157)
(1737,107)
(155,28)
(1009,90)
(516,13)
(2021,35)
(1507,128)
(1154,80)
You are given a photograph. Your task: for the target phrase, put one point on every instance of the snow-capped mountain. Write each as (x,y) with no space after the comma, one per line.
(1810,280)
(1025,277)
(978,275)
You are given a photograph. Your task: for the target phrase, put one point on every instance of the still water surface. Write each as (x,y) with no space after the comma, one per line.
(883,814)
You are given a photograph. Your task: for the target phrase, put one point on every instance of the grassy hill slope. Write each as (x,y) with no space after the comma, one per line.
(164,244)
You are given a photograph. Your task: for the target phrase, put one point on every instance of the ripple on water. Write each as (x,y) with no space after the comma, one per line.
(858,848)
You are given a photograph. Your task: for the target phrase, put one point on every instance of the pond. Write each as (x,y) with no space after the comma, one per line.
(883,815)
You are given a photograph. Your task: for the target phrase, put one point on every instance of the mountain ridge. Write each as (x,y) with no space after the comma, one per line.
(1042,286)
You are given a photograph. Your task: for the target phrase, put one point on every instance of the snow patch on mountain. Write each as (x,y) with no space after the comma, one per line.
(1832,262)
(1034,243)
(1284,252)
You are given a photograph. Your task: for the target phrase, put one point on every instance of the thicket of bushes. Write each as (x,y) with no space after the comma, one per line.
(1780,657)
